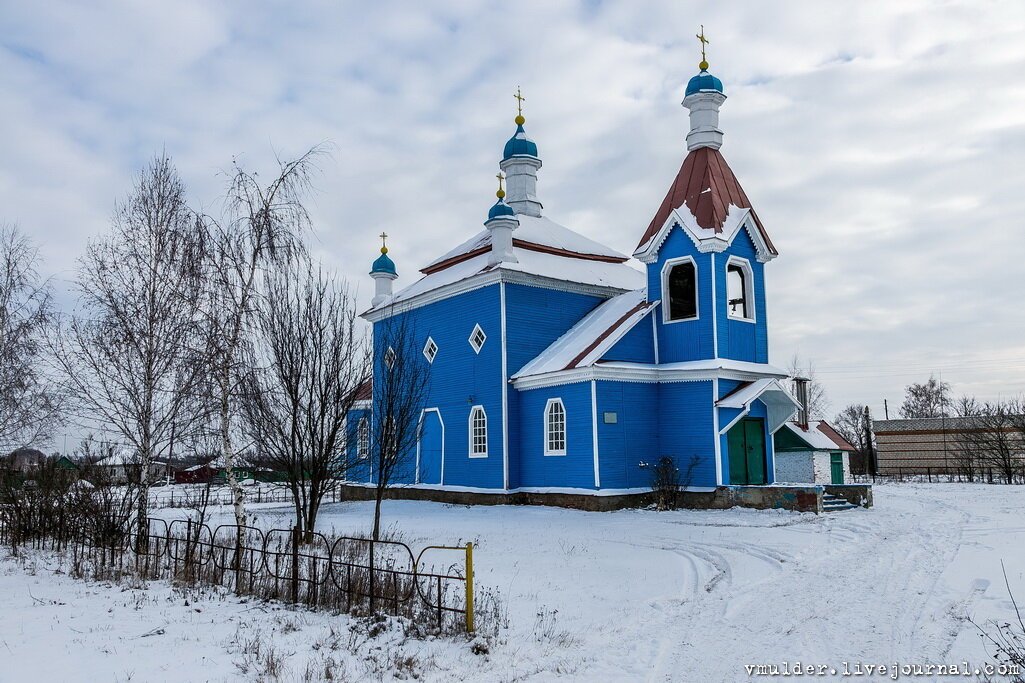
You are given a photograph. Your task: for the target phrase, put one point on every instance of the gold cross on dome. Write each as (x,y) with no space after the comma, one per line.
(383,237)
(520,99)
(501,191)
(704,42)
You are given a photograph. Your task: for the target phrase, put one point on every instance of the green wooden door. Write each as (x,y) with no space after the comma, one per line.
(836,466)
(746,444)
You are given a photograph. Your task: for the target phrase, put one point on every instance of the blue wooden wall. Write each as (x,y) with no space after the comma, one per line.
(461,378)
(632,438)
(739,339)
(535,317)
(637,345)
(683,340)
(686,429)
(576,468)
(693,339)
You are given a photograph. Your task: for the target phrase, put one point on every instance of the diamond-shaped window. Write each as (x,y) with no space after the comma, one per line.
(477,338)
(430,350)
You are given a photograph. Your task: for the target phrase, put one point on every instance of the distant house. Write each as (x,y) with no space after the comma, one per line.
(66,463)
(25,461)
(215,472)
(203,473)
(812,453)
(125,466)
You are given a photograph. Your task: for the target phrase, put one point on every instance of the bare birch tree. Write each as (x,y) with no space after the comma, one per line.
(311,357)
(928,399)
(400,390)
(261,231)
(29,400)
(128,356)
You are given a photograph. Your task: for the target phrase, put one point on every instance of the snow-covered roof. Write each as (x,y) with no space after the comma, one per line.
(576,270)
(779,404)
(820,436)
(593,336)
(538,231)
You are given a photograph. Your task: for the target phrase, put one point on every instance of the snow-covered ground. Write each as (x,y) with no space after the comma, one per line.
(623,596)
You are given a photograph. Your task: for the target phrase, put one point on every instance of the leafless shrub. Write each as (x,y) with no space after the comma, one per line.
(1007,638)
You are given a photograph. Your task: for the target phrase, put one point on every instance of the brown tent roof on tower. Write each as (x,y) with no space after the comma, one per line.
(707,187)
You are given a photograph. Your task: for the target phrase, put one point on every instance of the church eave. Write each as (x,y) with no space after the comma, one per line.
(483,279)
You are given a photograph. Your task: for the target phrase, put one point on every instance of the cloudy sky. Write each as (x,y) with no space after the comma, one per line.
(880,142)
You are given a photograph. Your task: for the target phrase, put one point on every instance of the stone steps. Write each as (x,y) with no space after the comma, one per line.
(831,503)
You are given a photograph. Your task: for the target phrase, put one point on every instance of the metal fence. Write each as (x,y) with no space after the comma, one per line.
(189,495)
(358,575)
(987,475)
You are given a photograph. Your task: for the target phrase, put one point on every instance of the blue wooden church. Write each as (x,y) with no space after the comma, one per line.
(560,365)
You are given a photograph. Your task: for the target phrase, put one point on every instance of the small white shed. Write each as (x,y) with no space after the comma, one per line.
(811,454)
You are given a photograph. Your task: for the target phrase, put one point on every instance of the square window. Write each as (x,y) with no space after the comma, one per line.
(611,418)
(390,357)
(477,338)
(430,350)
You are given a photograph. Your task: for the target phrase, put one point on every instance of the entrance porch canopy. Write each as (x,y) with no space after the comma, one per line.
(780,406)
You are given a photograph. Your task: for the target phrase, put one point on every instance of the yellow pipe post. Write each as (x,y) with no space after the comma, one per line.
(469,587)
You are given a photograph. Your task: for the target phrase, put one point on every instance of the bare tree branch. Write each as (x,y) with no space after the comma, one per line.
(128,356)
(310,360)
(29,399)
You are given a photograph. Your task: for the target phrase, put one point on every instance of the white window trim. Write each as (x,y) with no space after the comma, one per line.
(668,266)
(565,426)
(749,289)
(363,442)
(419,440)
(430,357)
(477,328)
(473,411)
(390,354)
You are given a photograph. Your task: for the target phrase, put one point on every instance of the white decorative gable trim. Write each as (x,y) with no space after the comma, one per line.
(707,240)
(688,371)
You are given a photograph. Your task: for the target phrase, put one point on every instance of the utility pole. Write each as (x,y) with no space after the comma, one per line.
(886,409)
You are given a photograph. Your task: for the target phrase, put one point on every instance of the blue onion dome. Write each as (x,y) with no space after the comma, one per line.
(500,210)
(383,264)
(519,144)
(704,82)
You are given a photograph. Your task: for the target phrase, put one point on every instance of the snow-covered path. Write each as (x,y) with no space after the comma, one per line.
(690,595)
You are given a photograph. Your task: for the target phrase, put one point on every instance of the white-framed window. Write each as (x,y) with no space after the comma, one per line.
(389,358)
(430,350)
(477,338)
(679,290)
(478,432)
(555,427)
(363,438)
(740,298)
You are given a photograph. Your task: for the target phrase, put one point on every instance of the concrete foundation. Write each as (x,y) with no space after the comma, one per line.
(800,498)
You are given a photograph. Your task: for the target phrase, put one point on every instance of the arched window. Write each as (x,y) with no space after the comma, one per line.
(555,427)
(478,432)
(363,438)
(680,290)
(739,290)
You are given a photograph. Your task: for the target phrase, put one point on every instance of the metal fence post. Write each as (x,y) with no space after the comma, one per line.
(295,563)
(469,588)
